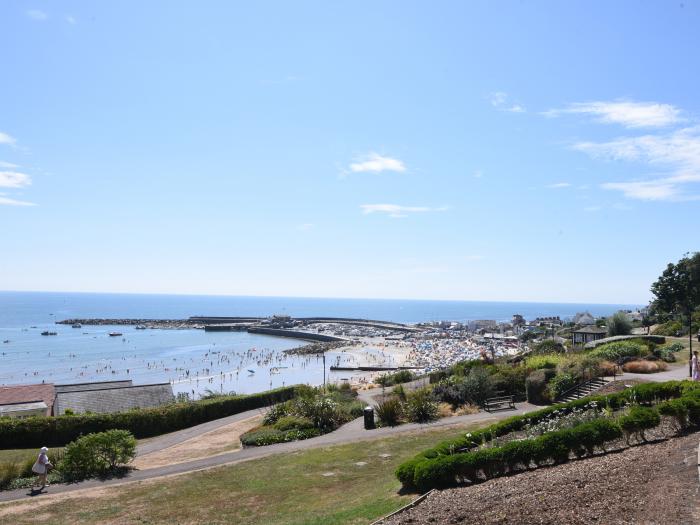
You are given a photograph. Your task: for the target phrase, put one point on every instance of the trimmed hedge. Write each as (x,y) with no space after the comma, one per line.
(59,430)
(445,462)
(553,447)
(270,435)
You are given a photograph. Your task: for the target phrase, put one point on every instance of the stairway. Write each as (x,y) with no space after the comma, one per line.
(582,390)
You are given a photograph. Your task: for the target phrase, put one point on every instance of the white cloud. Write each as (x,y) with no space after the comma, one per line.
(560,185)
(8,165)
(13,179)
(7,139)
(592,208)
(677,153)
(375,163)
(626,113)
(71,19)
(306,226)
(501,102)
(6,201)
(396,211)
(478,174)
(37,14)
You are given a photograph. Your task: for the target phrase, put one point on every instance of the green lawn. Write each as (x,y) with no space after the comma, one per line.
(283,489)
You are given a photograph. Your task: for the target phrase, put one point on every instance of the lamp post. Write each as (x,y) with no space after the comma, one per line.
(324,371)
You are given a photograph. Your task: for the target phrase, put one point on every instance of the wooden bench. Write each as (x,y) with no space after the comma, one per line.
(499,403)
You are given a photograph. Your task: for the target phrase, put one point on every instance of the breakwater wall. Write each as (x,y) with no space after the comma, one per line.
(148,323)
(295,334)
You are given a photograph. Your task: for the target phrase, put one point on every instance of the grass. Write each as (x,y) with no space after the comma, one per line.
(21,455)
(285,489)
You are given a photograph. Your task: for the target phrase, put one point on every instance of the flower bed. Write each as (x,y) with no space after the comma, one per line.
(469,457)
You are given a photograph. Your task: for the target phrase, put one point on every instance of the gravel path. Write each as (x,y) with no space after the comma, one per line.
(649,484)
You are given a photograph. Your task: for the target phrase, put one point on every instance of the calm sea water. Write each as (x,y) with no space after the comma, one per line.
(221,361)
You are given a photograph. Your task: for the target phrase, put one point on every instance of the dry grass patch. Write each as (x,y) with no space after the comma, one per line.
(644,367)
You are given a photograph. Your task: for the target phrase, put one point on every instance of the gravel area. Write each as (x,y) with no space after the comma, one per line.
(650,484)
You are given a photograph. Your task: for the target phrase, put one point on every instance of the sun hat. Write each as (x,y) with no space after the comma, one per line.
(44,449)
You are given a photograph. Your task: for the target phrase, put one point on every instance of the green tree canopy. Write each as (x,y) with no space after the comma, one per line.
(619,324)
(677,290)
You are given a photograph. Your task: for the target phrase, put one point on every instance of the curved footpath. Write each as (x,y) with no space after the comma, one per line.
(348,433)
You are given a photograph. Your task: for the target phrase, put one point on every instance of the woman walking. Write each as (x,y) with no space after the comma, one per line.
(41,467)
(694,367)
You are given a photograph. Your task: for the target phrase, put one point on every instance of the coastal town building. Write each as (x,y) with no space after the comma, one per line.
(20,401)
(47,399)
(584,319)
(587,334)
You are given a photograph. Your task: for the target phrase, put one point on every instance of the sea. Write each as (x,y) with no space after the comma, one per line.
(195,361)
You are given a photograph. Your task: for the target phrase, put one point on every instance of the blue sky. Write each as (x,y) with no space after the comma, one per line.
(537,151)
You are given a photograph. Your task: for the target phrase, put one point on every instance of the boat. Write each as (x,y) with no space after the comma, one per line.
(6,341)
(251,371)
(115,334)
(76,325)
(46,332)
(140,327)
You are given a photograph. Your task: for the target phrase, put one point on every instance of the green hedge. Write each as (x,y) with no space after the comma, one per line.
(415,471)
(57,431)
(270,435)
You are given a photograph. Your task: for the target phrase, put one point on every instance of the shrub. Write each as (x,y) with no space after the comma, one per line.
(548,346)
(677,409)
(644,367)
(638,420)
(560,383)
(98,454)
(55,431)
(421,406)
(476,386)
(275,413)
(9,471)
(510,380)
(543,361)
(619,324)
(388,412)
(399,392)
(270,435)
(402,376)
(617,351)
(536,386)
(293,423)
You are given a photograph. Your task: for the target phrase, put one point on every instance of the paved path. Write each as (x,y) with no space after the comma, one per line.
(349,433)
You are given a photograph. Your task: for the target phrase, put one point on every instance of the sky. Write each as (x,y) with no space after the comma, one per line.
(524,151)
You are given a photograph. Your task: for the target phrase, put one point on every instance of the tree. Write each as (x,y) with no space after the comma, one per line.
(619,324)
(677,290)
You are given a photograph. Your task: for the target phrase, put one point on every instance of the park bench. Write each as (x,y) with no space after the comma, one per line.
(499,403)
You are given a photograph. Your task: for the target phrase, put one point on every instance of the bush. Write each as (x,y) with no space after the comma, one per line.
(421,406)
(389,412)
(536,386)
(275,413)
(477,387)
(270,435)
(57,431)
(677,409)
(644,367)
(560,383)
(543,361)
(619,324)
(637,421)
(510,380)
(293,423)
(9,471)
(98,454)
(402,376)
(548,346)
(619,350)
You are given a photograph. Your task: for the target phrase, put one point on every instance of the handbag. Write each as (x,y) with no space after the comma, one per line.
(38,468)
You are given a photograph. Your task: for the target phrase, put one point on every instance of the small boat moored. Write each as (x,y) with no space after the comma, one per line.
(115,334)
(46,332)
(76,325)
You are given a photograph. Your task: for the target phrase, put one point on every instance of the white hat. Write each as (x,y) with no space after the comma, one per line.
(44,449)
